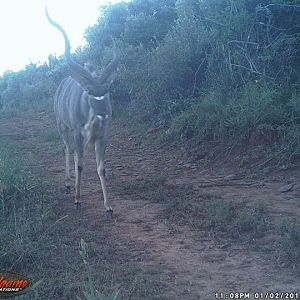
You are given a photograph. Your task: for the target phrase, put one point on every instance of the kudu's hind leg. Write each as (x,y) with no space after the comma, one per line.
(64,133)
(79,162)
(68,175)
(100,154)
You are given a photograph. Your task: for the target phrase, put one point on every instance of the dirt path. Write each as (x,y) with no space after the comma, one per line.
(189,265)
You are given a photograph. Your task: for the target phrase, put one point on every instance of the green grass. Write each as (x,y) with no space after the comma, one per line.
(75,260)
(289,244)
(46,244)
(203,211)
(211,215)
(265,121)
(51,143)
(50,135)
(18,108)
(92,292)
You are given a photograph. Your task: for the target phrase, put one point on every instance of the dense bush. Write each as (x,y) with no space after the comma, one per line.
(210,71)
(32,87)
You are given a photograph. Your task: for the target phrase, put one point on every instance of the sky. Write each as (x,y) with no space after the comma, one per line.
(26,36)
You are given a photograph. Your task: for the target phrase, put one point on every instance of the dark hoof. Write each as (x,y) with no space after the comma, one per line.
(109,214)
(77,205)
(67,189)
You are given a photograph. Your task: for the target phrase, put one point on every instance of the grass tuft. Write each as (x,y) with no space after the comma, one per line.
(289,243)
(91,292)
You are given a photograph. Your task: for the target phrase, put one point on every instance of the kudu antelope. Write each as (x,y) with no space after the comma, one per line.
(82,109)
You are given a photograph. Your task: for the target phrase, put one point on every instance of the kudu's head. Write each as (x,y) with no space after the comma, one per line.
(95,85)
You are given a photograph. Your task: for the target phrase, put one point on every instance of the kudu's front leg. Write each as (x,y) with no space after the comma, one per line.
(79,163)
(100,155)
